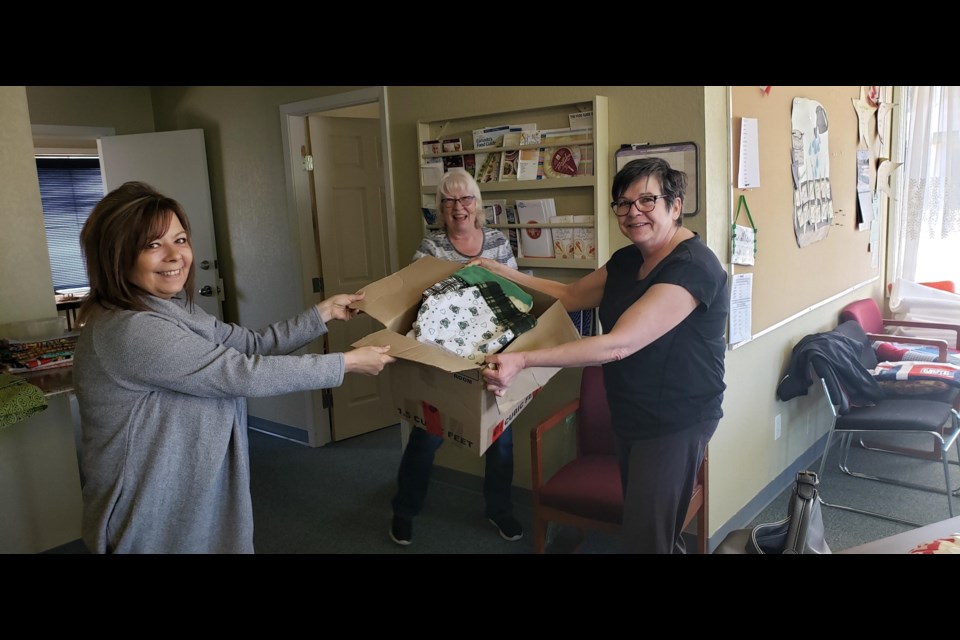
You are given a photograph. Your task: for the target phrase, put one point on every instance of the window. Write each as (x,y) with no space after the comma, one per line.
(928,209)
(69,189)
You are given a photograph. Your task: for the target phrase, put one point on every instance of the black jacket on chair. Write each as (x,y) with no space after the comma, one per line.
(843,351)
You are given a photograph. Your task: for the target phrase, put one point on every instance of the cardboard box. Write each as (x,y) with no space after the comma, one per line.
(441,392)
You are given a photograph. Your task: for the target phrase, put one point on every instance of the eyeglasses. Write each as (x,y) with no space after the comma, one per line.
(465,201)
(644,204)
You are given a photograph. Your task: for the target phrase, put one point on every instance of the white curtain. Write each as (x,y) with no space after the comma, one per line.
(928,221)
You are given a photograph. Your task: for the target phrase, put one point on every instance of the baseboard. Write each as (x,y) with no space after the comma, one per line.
(769,493)
(279,430)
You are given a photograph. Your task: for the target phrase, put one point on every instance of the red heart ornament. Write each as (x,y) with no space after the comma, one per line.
(563,162)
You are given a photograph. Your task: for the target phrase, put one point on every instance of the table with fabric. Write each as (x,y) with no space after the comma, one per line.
(904,542)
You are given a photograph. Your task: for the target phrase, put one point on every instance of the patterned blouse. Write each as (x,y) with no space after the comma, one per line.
(495,247)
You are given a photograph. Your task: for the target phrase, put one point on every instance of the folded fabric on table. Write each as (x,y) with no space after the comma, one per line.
(35,355)
(18,400)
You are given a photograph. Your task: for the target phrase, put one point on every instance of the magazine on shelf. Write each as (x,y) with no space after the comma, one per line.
(509,157)
(452,162)
(488,164)
(528,160)
(428,206)
(431,147)
(581,120)
(431,169)
(536,243)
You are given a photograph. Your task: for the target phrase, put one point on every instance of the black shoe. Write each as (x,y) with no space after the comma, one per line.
(508,526)
(401,531)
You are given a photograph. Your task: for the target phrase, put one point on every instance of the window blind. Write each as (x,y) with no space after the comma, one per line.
(69,189)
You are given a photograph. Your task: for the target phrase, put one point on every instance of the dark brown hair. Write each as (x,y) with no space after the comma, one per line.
(118,229)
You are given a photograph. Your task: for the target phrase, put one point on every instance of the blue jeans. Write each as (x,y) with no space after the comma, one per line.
(417,463)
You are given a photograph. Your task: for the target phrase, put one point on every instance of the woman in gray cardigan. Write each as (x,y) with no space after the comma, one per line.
(162,386)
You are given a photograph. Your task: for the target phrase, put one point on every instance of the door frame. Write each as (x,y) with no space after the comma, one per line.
(293,117)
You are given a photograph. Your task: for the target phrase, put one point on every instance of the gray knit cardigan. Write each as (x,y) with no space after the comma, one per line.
(162,397)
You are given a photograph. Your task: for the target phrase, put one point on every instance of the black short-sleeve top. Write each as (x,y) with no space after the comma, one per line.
(677,380)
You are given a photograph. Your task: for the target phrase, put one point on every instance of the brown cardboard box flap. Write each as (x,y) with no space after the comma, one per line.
(395,300)
(412,349)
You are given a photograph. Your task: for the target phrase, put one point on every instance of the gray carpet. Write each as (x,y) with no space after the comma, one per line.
(844,529)
(336,500)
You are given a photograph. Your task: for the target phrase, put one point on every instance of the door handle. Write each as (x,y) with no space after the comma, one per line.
(206,290)
(205,265)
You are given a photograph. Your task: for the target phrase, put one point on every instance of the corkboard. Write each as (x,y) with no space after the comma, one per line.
(787,279)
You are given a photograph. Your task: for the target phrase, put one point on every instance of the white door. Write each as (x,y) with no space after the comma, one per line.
(175,164)
(351,226)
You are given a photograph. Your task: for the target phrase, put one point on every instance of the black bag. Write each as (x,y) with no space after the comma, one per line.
(800,532)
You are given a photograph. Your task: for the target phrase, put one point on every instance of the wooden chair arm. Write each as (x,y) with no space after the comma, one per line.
(926,325)
(536,438)
(941,345)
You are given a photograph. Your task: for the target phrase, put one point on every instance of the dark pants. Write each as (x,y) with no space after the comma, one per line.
(413,477)
(658,476)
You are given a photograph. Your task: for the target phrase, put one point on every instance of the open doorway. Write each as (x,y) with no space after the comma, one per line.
(340,195)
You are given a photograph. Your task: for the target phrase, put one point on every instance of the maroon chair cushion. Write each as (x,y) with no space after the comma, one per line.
(588,486)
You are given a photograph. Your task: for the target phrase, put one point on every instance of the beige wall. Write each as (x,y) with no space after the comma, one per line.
(26,289)
(126,109)
(39,479)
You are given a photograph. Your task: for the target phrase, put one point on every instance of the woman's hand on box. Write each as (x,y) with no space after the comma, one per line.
(499,371)
(338,307)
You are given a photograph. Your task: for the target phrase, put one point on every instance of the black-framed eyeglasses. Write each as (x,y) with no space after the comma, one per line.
(644,204)
(465,201)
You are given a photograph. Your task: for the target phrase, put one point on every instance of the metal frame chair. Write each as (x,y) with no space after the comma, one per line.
(935,419)
(866,313)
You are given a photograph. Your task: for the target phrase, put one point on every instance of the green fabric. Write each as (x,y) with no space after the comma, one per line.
(18,400)
(475,275)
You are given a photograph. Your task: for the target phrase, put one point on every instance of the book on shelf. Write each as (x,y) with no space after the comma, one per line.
(431,147)
(581,120)
(509,157)
(431,169)
(430,173)
(528,160)
(470,164)
(488,164)
(562,238)
(452,162)
(583,321)
(510,217)
(536,243)
(493,211)
(428,206)
(584,239)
